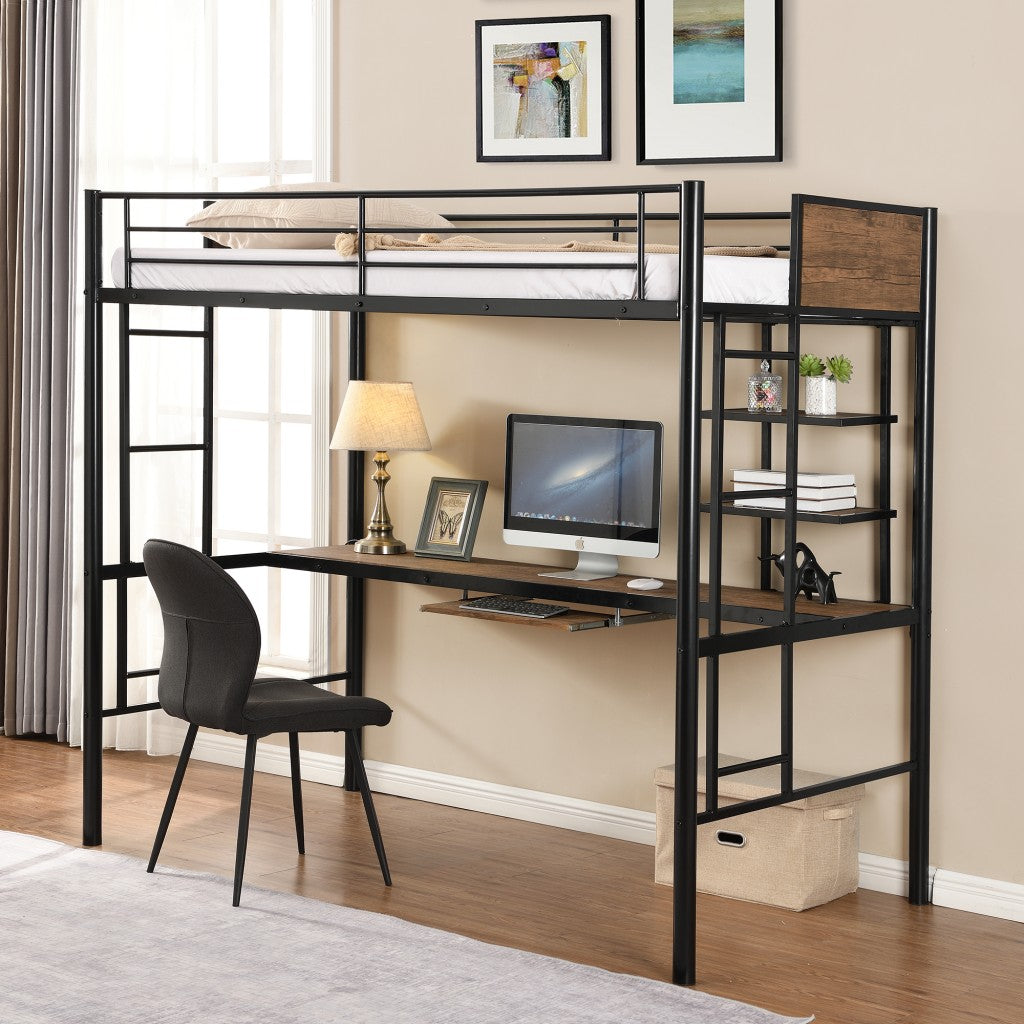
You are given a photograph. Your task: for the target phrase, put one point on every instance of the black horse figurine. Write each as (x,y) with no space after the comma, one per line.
(809,579)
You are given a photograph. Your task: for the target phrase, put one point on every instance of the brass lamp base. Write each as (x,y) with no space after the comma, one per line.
(380,540)
(379,544)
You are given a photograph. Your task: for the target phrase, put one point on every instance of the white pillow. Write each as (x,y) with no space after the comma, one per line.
(336,214)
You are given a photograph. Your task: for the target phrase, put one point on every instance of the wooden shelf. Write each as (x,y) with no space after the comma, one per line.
(770,601)
(575,620)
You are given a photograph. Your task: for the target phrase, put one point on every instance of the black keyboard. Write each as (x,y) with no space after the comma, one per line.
(514,606)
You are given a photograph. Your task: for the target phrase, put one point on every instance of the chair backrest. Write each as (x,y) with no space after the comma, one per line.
(211,637)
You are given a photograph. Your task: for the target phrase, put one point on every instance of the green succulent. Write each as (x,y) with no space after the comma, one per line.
(841,368)
(811,365)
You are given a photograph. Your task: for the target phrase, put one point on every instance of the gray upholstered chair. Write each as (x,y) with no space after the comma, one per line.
(208,678)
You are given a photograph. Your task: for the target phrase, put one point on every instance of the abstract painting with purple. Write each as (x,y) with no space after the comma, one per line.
(540,90)
(708,51)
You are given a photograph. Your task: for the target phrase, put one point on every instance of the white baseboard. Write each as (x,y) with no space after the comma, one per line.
(970,893)
(976,895)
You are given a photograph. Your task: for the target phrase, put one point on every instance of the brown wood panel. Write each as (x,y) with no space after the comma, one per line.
(867,958)
(572,621)
(771,600)
(853,258)
(433,572)
(482,569)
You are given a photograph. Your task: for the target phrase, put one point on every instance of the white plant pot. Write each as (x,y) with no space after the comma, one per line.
(821,396)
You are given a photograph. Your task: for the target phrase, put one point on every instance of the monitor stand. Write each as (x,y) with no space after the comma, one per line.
(591,566)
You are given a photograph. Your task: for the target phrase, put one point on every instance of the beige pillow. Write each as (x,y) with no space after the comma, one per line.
(309,212)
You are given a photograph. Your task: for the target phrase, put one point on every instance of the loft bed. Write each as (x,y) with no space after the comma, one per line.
(849,263)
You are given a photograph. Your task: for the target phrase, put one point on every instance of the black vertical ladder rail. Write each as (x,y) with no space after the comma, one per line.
(124,469)
(885,462)
(208,452)
(786,652)
(711,663)
(355,589)
(641,263)
(691,281)
(92,640)
(765,523)
(921,572)
(124,495)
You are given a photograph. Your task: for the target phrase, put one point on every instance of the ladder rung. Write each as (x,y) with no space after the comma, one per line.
(749,766)
(140,332)
(134,448)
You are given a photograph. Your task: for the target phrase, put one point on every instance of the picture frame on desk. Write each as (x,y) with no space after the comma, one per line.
(450,518)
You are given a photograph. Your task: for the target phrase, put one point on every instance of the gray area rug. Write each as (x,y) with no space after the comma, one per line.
(88,936)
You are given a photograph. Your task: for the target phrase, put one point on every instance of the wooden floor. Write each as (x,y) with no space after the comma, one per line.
(864,959)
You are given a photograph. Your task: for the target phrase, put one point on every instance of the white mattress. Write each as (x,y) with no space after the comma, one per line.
(733,279)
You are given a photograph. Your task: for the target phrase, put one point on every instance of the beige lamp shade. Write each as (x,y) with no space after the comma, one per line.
(380,416)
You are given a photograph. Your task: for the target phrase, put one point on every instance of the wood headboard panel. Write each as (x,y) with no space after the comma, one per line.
(857,256)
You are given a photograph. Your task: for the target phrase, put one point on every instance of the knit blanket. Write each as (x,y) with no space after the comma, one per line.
(347,245)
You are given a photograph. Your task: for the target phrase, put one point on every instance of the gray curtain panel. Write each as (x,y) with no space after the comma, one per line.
(39,51)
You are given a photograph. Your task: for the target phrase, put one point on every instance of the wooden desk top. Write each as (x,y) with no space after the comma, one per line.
(488,575)
(491,575)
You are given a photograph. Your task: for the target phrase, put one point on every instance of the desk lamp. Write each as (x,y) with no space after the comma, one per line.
(380,416)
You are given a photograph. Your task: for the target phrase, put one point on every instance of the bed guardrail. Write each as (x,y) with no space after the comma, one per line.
(613,223)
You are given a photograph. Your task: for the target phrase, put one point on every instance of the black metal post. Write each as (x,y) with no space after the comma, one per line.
(789,576)
(92,723)
(123,497)
(207,511)
(641,263)
(711,666)
(885,463)
(921,571)
(355,589)
(766,463)
(691,289)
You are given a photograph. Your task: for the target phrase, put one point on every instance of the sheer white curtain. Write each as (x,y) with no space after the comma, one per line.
(187,96)
(143,127)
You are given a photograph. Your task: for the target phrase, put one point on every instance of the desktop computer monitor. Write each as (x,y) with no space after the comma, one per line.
(586,485)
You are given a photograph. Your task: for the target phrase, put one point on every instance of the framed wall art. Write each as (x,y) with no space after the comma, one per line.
(450,518)
(543,89)
(709,81)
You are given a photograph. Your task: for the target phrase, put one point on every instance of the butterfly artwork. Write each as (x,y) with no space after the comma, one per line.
(448,524)
(450,518)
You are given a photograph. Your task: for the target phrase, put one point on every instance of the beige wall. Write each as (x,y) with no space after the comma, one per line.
(883,101)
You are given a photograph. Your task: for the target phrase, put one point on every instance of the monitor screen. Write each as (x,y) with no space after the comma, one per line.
(569,477)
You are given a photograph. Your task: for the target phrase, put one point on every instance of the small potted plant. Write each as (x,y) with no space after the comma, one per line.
(821,376)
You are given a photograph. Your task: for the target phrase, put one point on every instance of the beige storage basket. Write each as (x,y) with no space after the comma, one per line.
(795,856)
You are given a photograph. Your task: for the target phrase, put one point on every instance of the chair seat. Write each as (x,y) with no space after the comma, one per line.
(291,705)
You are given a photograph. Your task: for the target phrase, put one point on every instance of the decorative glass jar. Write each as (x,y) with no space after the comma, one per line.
(764,390)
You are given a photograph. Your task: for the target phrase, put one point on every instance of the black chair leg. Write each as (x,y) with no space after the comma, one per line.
(172,794)
(293,750)
(371,814)
(243,816)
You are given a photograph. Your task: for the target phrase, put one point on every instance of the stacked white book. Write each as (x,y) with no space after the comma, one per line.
(815,492)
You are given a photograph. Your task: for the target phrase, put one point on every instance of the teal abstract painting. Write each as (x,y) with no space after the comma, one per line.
(708,51)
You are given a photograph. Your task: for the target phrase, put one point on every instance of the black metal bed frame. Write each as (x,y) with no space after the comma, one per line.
(780,629)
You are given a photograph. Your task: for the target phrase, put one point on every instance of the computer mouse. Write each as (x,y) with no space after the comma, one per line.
(645,584)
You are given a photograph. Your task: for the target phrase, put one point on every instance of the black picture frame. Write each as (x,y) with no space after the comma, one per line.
(670,130)
(451,516)
(584,57)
